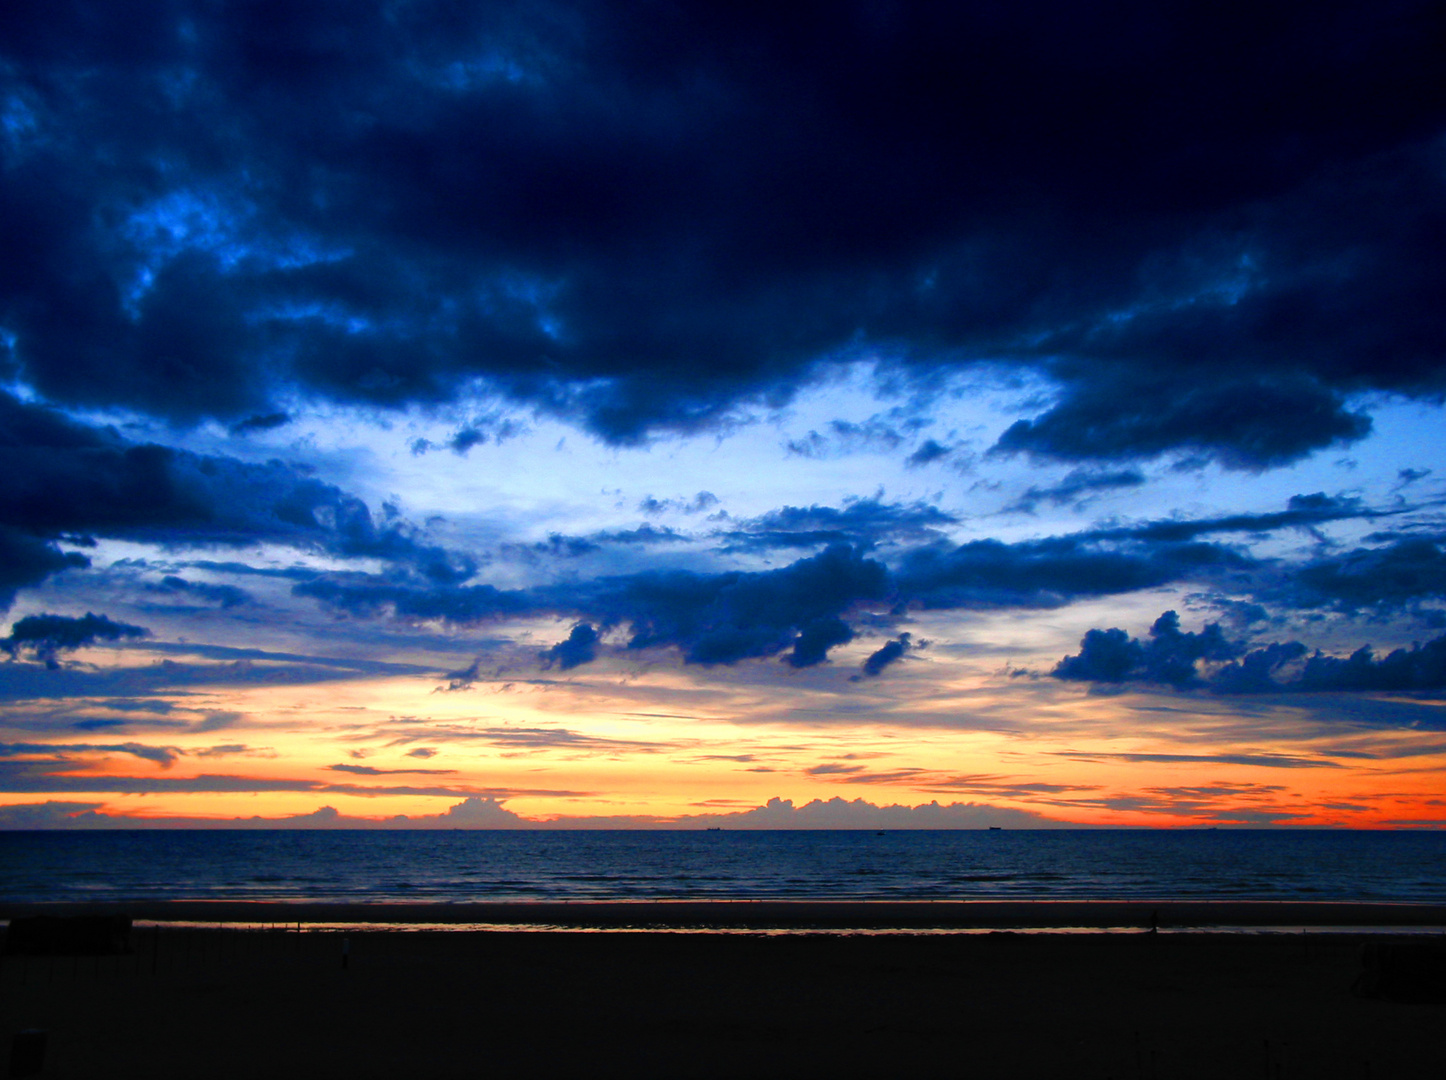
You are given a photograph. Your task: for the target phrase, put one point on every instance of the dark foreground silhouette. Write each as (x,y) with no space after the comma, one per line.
(218,1003)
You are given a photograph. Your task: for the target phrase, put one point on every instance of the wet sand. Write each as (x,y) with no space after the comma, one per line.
(782,914)
(193,1002)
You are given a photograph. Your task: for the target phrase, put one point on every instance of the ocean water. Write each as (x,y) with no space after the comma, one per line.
(460,866)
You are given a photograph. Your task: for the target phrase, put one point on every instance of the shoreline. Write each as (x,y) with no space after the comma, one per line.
(774,914)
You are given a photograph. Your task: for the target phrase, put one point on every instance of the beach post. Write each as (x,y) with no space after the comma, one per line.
(27,1053)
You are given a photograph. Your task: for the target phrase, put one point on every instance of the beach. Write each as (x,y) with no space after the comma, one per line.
(331,1001)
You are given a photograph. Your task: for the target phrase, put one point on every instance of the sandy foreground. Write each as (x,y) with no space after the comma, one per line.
(227,1002)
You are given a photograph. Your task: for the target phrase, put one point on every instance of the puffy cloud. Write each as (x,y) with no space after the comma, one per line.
(479,812)
(887,654)
(473,812)
(489,812)
(1401,573)
(1421,667)
(838,813)
(723,618)
(1169,656)
(579,647)
(1174,657)
(51,814)
(47,635)
(815,638)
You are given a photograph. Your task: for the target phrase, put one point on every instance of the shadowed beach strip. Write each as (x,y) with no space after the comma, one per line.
(777,914)
(189,1001)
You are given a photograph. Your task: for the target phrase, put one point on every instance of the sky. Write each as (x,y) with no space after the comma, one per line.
(577,414)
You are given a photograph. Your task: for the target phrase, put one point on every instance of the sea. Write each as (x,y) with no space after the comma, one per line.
(487,866)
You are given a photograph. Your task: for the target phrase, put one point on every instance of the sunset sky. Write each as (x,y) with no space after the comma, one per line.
(579,413)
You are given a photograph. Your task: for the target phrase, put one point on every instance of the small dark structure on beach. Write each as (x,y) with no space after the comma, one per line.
(74,935)
(1405,971)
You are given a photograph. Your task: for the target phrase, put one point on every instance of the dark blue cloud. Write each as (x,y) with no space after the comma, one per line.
(27,560)
(367,770)
(64,479)
(369,595)
(929,452)
(804,608)
(1077,488)
(643,534)
(269,422)
(1210,232)
(704,500)
(45,636)
(230,668)
(724,618)
(224,596)
(1301,512)
(562,546)
(1053,571)
(1169,656)
(862,523)
(1250,424)
(478,432)
(841,437)
(1399,574)
(711,618)
(815,638)
(1421,667)
(1174,657)
(579,647)
(886,655)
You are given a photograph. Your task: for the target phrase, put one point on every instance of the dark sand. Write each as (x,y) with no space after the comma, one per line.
(419,1003)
